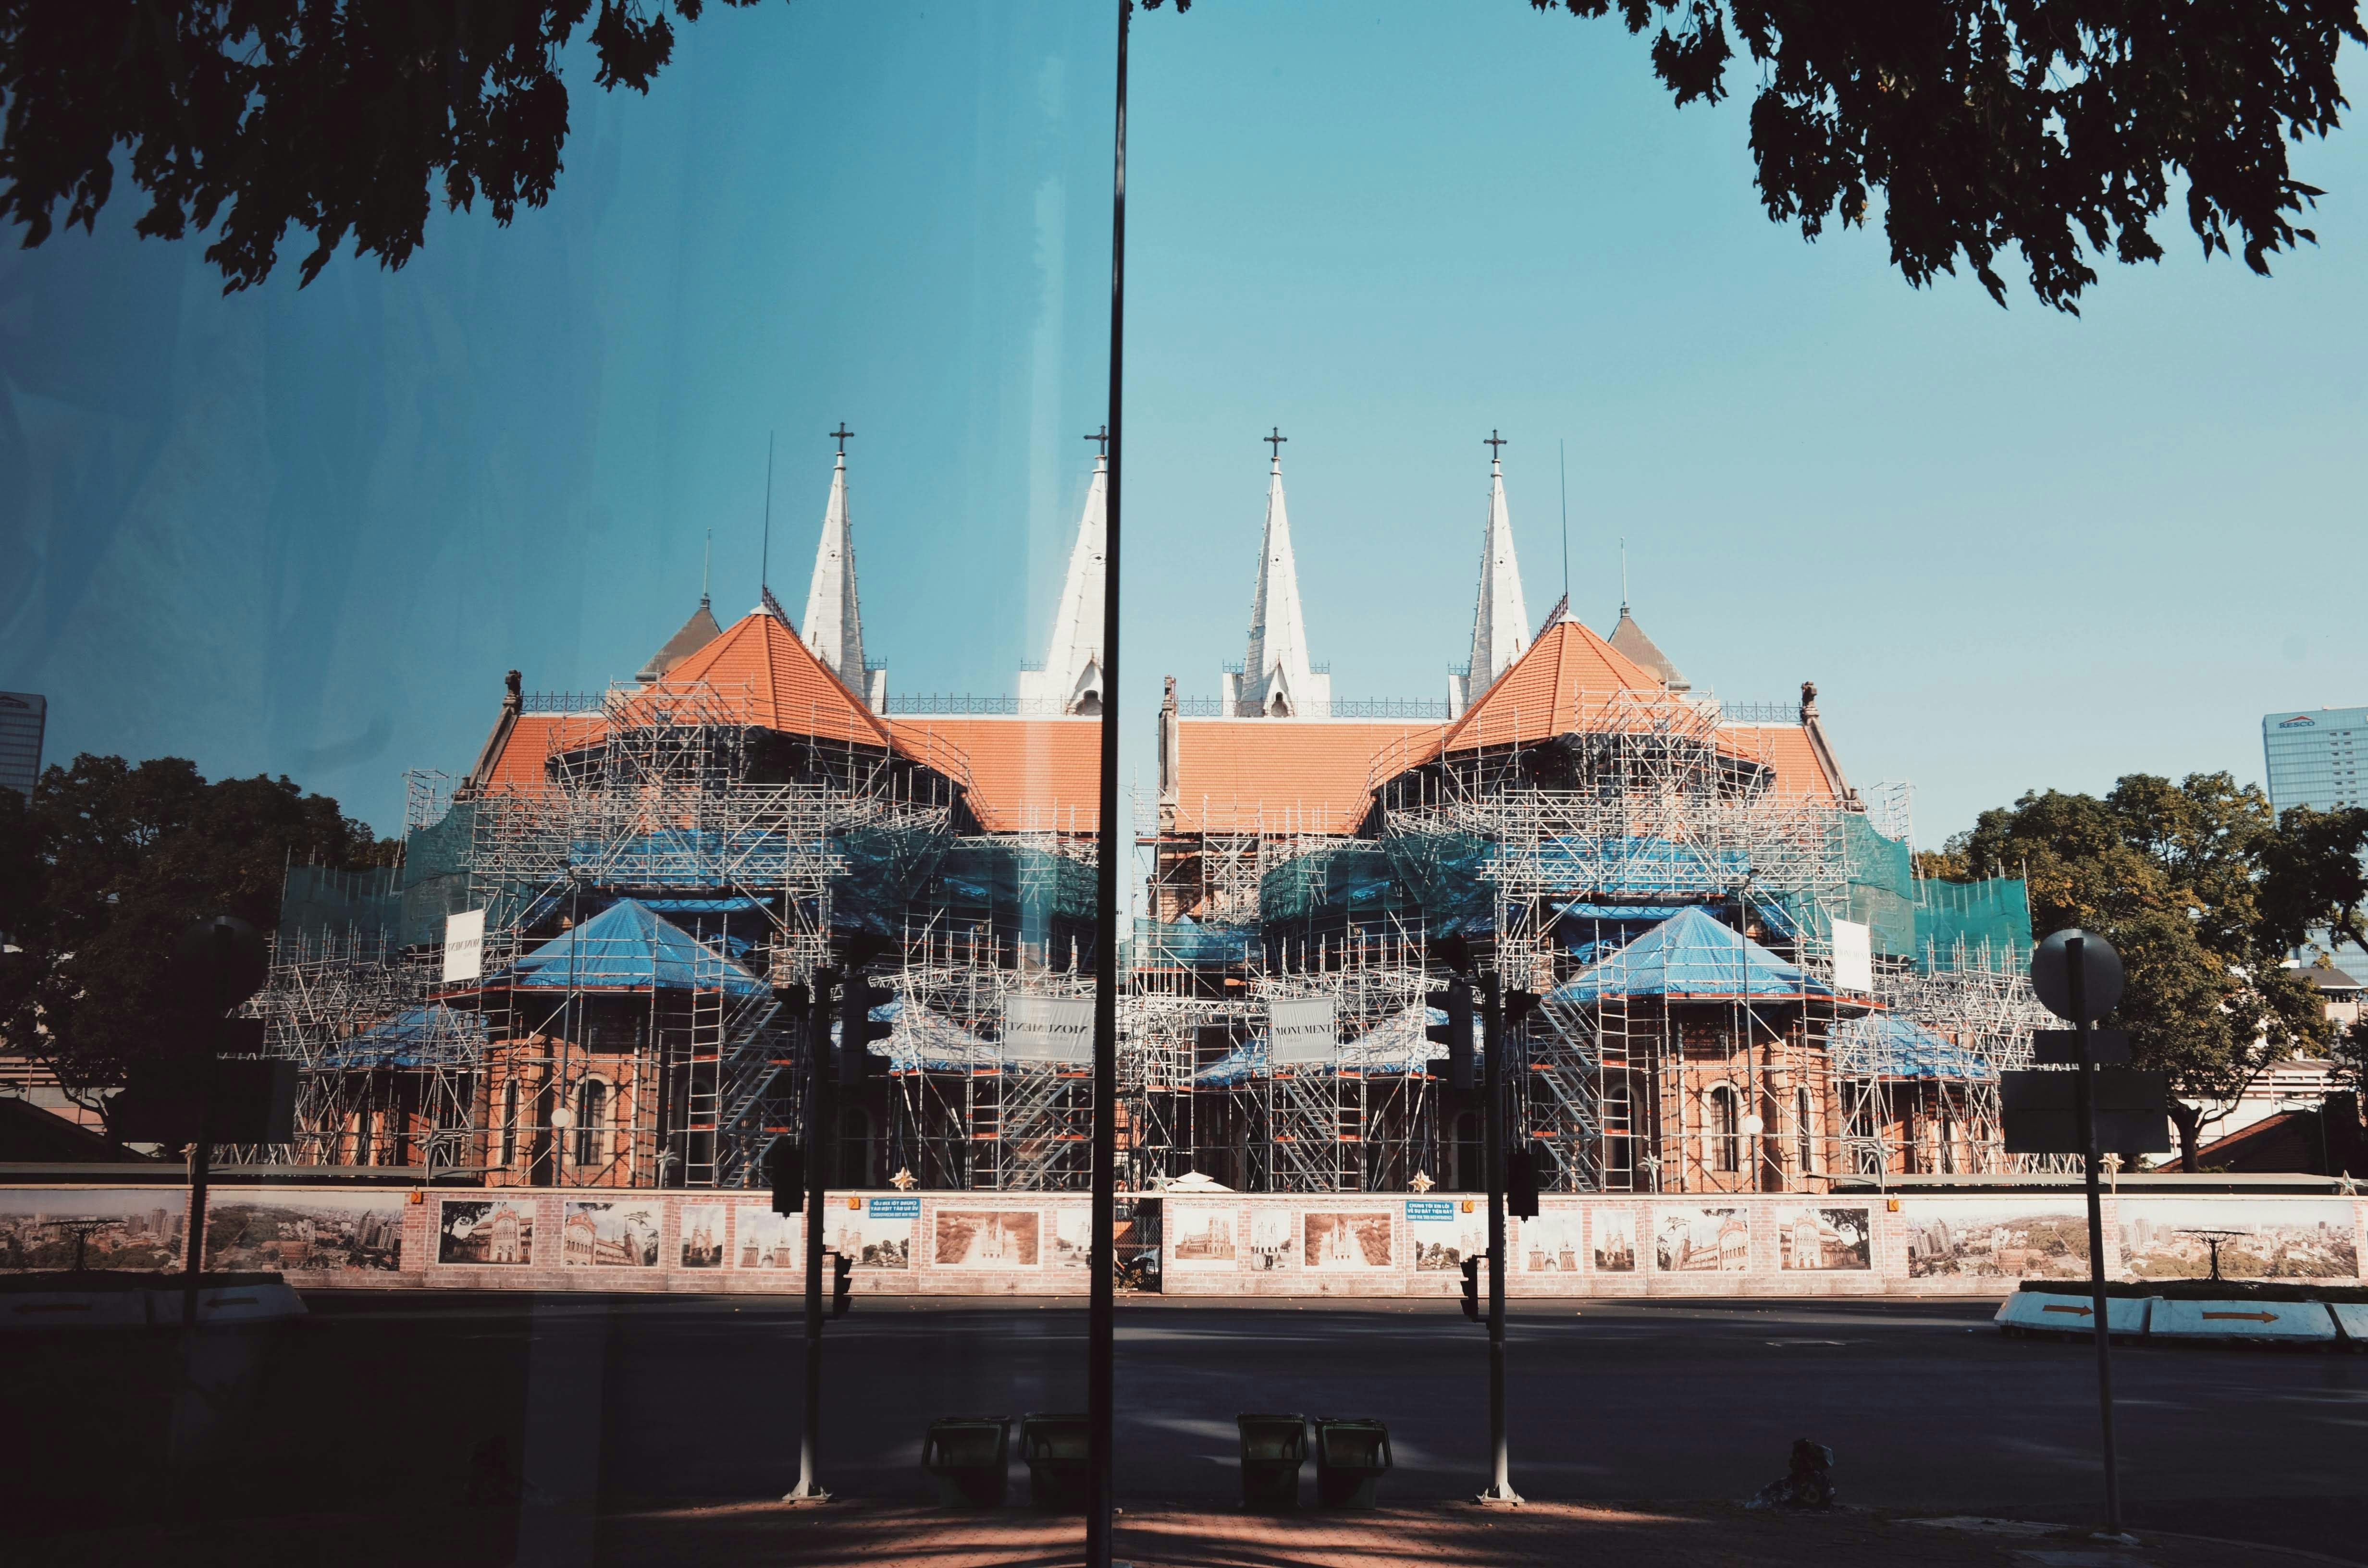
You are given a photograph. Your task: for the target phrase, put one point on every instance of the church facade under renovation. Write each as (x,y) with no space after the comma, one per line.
(571,980)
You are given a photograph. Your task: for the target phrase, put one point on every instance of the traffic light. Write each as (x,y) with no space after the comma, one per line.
(789,1172)
(1471,1289)
(842,1284)
(1521,1183)
(858,1028)
(1519,1004)
(1455,1001)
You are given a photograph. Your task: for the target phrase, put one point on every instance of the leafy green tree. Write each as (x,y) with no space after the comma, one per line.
(108,864)
(2052,127)
(2204,890)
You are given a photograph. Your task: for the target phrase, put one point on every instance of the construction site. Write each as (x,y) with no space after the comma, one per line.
(573,978)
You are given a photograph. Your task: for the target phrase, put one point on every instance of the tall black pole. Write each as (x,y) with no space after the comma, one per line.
(2085,1099)
(1101,1402)
(810,1488)
(1492,1089)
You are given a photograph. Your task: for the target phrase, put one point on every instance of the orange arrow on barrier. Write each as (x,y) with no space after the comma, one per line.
(2077,1311)
(2250,1317)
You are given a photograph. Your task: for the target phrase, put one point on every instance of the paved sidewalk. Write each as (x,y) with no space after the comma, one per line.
(1560,1535)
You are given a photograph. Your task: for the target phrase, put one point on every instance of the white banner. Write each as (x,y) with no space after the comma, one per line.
(1303,1030)
(464,945)
(1048,1029)
(1853,956)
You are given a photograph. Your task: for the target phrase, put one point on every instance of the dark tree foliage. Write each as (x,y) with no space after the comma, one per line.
(103,871)
(2053,127)
(2203,890)
(343,118)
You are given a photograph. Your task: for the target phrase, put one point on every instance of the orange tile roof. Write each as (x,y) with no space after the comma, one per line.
(1568,675)
(1287,775)
(534,739)
(1785,749)
(763,674)
(1022,774)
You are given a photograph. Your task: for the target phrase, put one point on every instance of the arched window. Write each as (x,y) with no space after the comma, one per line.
(591,1116)
(1805,1130)
(1723,1129)
(1619,1137)
(855,1155)
(509,1123)
(1469,1169)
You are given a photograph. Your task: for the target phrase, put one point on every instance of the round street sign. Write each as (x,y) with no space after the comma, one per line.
(2100,972)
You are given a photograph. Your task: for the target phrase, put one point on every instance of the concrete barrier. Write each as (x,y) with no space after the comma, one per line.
(2351,1321)
(272,1302)
(2044,1311)
(2294,1322)
(49,1311)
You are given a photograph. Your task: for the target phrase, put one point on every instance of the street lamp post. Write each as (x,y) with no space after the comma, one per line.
(1103,1306)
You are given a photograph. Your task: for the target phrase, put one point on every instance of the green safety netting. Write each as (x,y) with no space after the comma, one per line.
(1010,884)
(880,872)
(1353,879)
(1997,912)
(1186,944)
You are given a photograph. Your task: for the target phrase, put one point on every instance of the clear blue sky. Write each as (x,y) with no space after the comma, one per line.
(308,530)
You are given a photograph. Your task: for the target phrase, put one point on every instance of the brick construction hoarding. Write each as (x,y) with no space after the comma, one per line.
(960,1243)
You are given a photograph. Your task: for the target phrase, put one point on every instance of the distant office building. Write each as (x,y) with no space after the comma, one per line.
(2314,757)
(23,716)
(2314,760)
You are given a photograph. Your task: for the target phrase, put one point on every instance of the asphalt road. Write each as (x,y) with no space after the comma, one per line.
(1925,1405)
(382,1401)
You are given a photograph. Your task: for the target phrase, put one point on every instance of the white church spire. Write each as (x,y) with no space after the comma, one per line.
(1071,680)
(1500,620)
(834,614)
(1276,680)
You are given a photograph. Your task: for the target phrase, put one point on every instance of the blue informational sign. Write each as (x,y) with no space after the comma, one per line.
(1430,1208)
(893,1207)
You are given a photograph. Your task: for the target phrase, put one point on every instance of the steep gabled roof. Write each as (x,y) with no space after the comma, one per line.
(1629,638)
(1567,674)
(530,741)
(1019,774)
(696,633)
(763,674)
(1785,749)
(627,948)
(1690,958)
(1237,775)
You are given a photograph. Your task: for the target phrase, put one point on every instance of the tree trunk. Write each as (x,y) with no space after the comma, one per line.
(2189,1119)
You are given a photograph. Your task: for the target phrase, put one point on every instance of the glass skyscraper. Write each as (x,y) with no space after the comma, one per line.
(2314,757)
(22,718)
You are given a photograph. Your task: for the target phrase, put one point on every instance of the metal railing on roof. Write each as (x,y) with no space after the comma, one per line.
(1428,709)
(562,702)
(1759,712)
(950,704)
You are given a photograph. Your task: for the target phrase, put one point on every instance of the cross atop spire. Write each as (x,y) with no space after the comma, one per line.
(834,613)
(1500,620)
(1101,438)
(1275,679)
(1070,680)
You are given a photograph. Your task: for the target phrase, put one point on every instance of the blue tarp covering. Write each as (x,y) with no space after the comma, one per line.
(1191,944)
(1894,1047)
(733,904)
(627,948)
(417,1037)
(1690,956)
